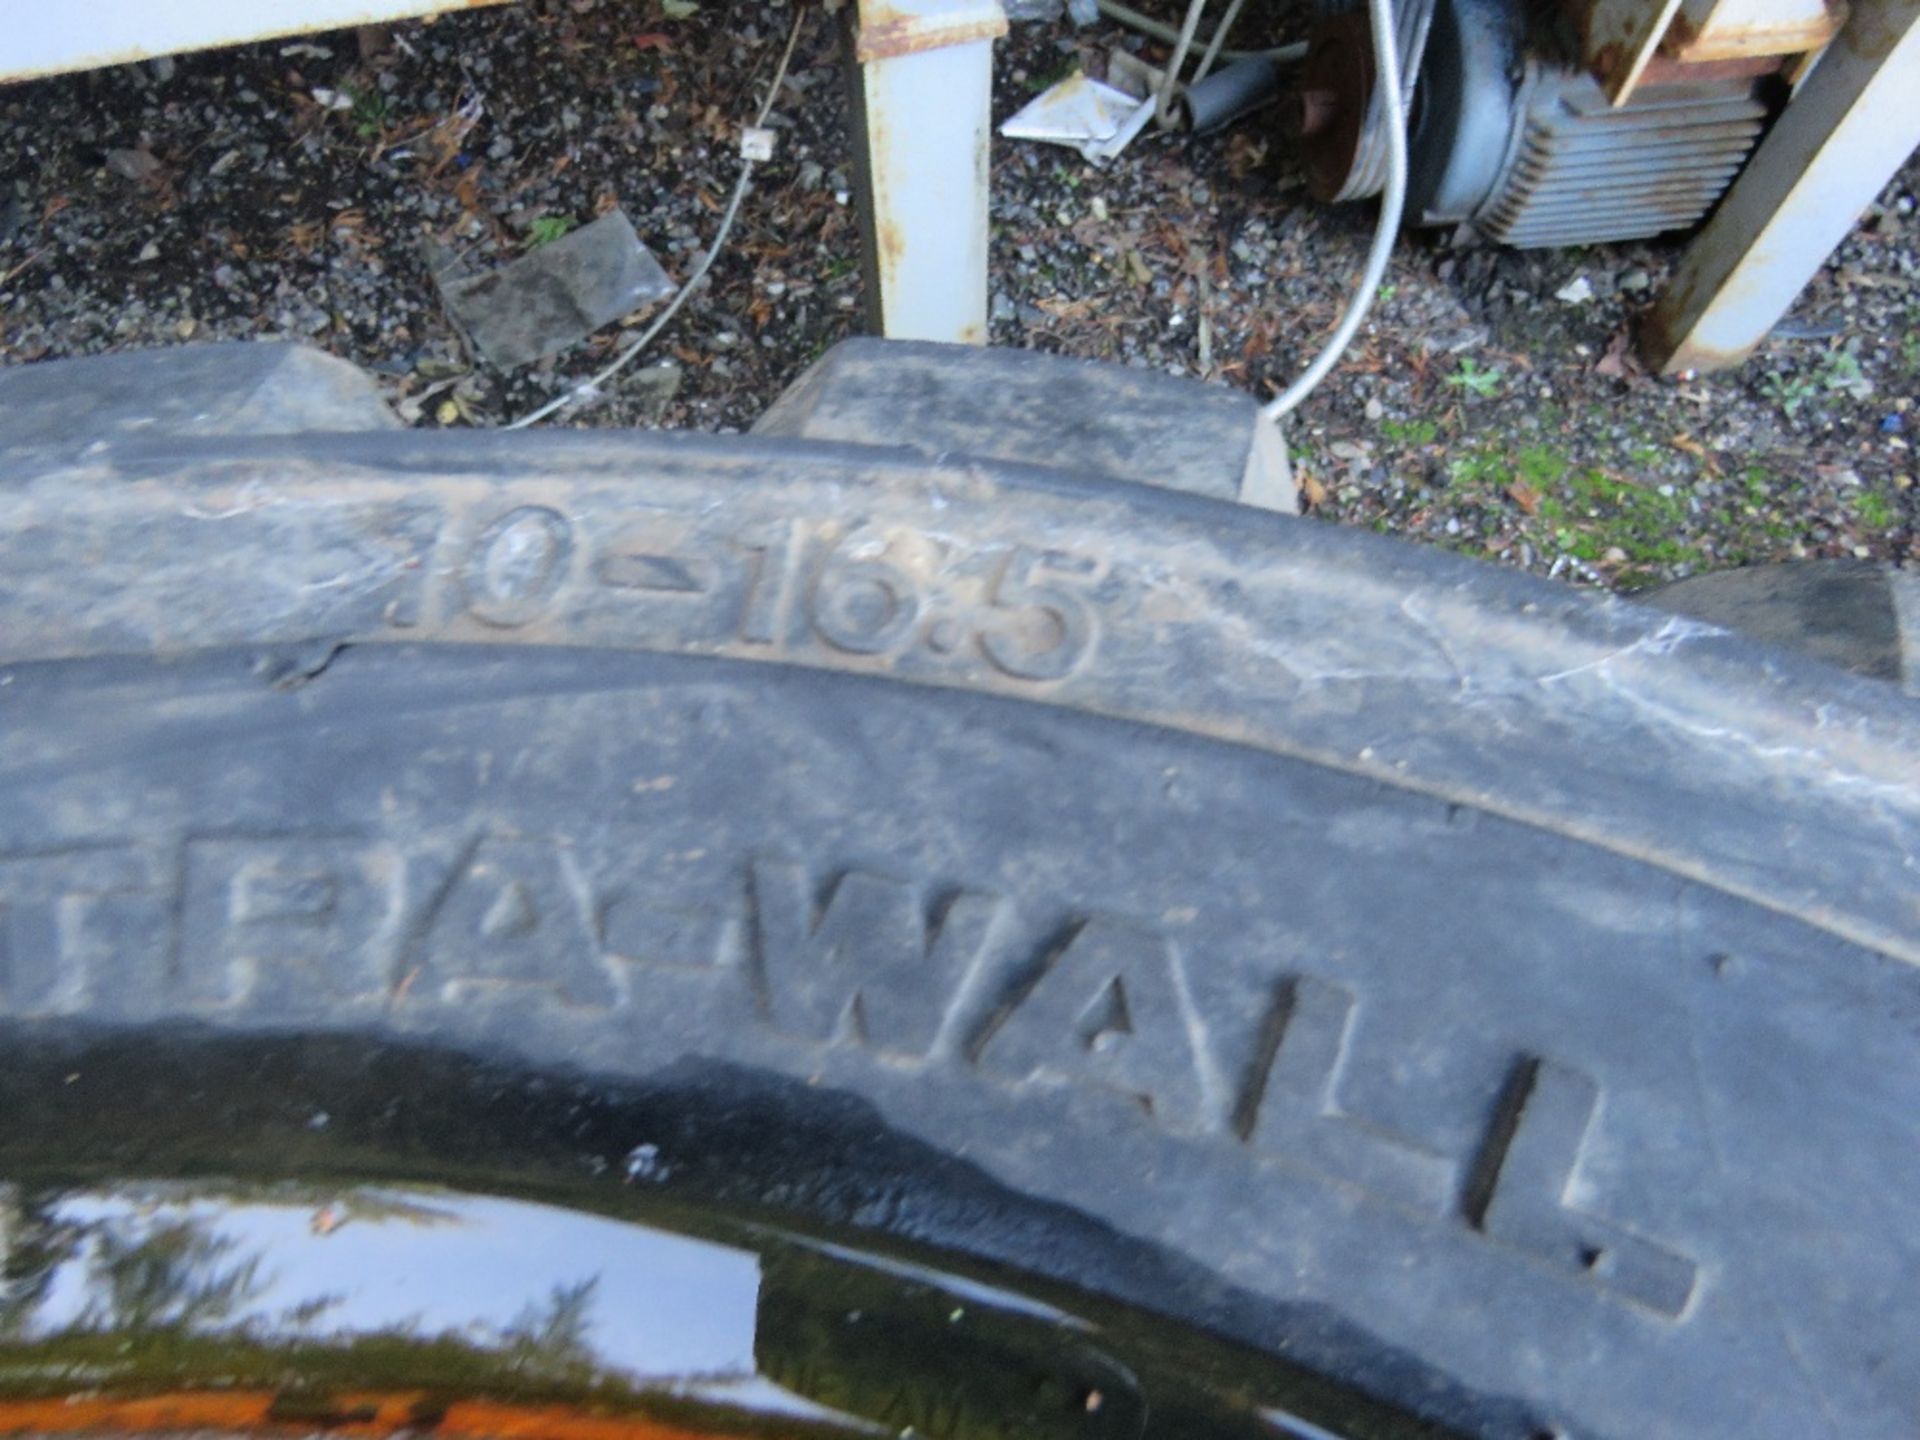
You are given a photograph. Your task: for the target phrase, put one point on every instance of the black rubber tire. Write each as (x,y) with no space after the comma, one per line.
(1499,1000)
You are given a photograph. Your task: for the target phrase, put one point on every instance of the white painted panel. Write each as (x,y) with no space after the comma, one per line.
(41,38)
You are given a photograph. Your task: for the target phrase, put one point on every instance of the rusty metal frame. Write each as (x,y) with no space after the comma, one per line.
(1846,133)
(924,105)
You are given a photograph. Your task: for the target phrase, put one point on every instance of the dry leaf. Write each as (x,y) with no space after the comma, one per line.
(1245,154)
(1619,361)
(466,190)
(1311,490)
(1525,496)
(1853,275)
(1065,309)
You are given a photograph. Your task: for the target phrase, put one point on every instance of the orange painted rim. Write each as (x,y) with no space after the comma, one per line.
(347,1414)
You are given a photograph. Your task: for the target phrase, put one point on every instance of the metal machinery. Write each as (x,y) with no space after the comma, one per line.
(1555,122)
(1510,135)
(1533,122)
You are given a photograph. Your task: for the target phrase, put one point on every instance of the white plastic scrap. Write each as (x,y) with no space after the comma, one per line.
(756,143)
(1576,291)
(1097,120)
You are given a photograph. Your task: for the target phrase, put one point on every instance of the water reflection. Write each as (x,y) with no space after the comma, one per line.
(474,1291)
(388,1308)
(275,1267)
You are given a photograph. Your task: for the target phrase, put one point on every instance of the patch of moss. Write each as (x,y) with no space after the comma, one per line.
(1875,511)
(1540,467)
(1592,512)
(1411,433)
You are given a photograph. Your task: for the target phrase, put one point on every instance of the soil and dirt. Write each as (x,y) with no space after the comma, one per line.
(311,187)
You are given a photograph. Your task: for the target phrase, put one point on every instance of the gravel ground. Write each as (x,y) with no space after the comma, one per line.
(309,188)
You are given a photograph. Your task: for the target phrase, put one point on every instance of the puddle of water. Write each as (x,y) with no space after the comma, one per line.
(463,1248)
(375,1308)
(552,1285)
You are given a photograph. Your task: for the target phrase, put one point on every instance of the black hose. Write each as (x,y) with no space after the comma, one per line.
(1226,95)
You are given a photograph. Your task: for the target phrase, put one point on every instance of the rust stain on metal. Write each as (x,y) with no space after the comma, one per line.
(889,242)
(1667,355)
(886,32)
(1717,270)
(1619,37)
(889,239)
(1659,342)
(892,246)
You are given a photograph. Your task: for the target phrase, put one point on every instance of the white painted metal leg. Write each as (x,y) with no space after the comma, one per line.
(43,39)
(1842,138)
(926,86)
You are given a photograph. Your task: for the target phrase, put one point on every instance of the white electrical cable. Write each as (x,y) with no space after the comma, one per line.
(1163,102)
(1219,36)
(1386,80)
(587,389)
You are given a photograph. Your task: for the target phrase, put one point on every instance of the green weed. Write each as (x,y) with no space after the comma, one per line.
(1471,377)
(1411,433)
(547,229)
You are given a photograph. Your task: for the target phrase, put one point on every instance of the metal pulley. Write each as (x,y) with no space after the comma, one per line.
(1336,112)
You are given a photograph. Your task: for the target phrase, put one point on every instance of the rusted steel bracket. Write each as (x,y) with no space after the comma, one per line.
(925,91)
